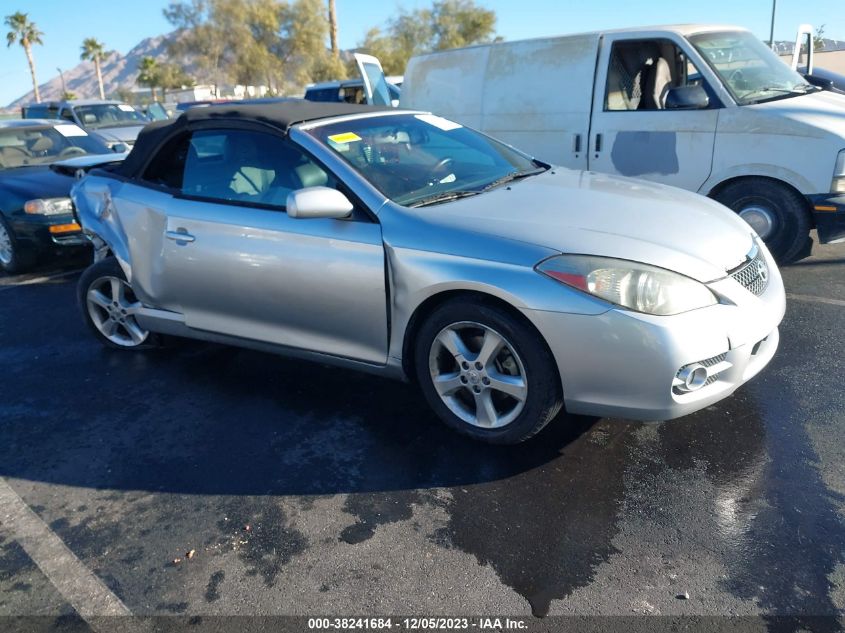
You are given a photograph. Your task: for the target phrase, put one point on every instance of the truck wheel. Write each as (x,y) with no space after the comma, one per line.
(486,373)
(13,258)
(776,212)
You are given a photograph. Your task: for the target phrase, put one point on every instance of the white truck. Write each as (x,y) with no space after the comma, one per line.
(706,108)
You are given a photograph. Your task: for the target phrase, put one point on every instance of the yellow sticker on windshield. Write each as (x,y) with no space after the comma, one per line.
(346,137)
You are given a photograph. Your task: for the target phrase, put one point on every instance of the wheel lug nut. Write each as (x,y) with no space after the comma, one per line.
(464,379)
(476,389)
(478,365)
(465,365)
(485,380)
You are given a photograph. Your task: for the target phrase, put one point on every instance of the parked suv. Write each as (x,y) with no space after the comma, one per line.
(114,123)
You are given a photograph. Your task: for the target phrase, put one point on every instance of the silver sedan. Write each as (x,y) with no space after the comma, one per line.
(404,244)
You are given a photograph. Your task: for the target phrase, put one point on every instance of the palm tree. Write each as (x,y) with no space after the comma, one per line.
(149,74)
(93,51)
(25,33)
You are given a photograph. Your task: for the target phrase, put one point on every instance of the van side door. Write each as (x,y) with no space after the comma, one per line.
(654,114)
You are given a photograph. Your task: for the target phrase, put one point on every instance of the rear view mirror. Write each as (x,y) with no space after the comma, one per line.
(318,202)
(687,98)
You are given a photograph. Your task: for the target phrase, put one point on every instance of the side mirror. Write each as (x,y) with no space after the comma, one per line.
(318,202)
(119,148)
(824,84)
(687,98)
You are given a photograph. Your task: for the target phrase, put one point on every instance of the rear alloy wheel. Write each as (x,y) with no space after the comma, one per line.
(13,259)
(109,307)
(776,212)
(486,373)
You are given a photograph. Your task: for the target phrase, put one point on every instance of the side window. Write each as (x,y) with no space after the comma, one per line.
(67,115)
(246,166)
(641,73)
(168,166)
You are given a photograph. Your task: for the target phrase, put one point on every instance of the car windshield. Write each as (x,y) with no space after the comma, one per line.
(418,159)
(42,145)
(108,115)
(748,68)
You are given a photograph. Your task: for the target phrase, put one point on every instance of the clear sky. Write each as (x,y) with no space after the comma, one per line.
(123,23)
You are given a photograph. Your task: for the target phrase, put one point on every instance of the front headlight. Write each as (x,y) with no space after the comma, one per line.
(48,206)
(838,184)
(632,285)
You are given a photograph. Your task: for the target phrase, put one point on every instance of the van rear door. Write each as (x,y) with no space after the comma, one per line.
(376,91)
(654,116)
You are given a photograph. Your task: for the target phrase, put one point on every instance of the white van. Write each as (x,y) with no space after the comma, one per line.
(707,108)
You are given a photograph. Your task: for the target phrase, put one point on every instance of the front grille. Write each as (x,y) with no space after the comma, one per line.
(754,273)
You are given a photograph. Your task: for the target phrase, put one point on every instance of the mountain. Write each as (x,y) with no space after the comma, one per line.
(119,71)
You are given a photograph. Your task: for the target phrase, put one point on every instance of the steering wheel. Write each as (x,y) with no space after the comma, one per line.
(735,76)
(440,167)
(73,150)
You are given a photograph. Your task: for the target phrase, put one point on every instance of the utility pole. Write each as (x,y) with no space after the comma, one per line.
(64,88)
(772,29)
(333,29)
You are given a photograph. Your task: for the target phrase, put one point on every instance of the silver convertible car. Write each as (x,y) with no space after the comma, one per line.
(404,244)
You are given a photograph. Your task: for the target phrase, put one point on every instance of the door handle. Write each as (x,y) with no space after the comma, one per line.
(598,143)
(180,235)
(576,144)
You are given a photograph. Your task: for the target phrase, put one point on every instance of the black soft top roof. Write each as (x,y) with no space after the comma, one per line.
(281,115)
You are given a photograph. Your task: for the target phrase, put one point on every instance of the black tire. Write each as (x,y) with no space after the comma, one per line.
(789,211)
(93,277)
(21,259)
(544,394)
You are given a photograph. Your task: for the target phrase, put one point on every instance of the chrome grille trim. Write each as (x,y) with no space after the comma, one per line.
(753,275)
(721,359)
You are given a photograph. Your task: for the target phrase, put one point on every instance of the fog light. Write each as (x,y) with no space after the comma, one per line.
(692,377)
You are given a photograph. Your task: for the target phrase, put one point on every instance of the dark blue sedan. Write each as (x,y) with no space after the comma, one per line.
(38,162)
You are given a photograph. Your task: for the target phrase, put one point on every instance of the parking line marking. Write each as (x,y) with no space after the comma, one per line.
(40,280)
(74,581)
(812,299)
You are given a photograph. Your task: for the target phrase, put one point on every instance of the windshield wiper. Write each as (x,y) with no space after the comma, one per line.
(443,196)
(516,175)
(799,89)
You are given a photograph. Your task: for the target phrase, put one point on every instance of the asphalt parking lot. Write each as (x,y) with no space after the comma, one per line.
(307,490)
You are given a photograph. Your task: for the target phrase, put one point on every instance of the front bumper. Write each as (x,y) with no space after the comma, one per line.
(829,214)
(40,232)
(623,364)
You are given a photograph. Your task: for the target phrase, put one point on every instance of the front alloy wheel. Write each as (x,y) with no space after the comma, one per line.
(6,253)
(486,371)
(13,259)
(478,375)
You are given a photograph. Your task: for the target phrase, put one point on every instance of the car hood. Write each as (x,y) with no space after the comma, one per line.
(824,111)
(38,181)
(119,134)
(597,214)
